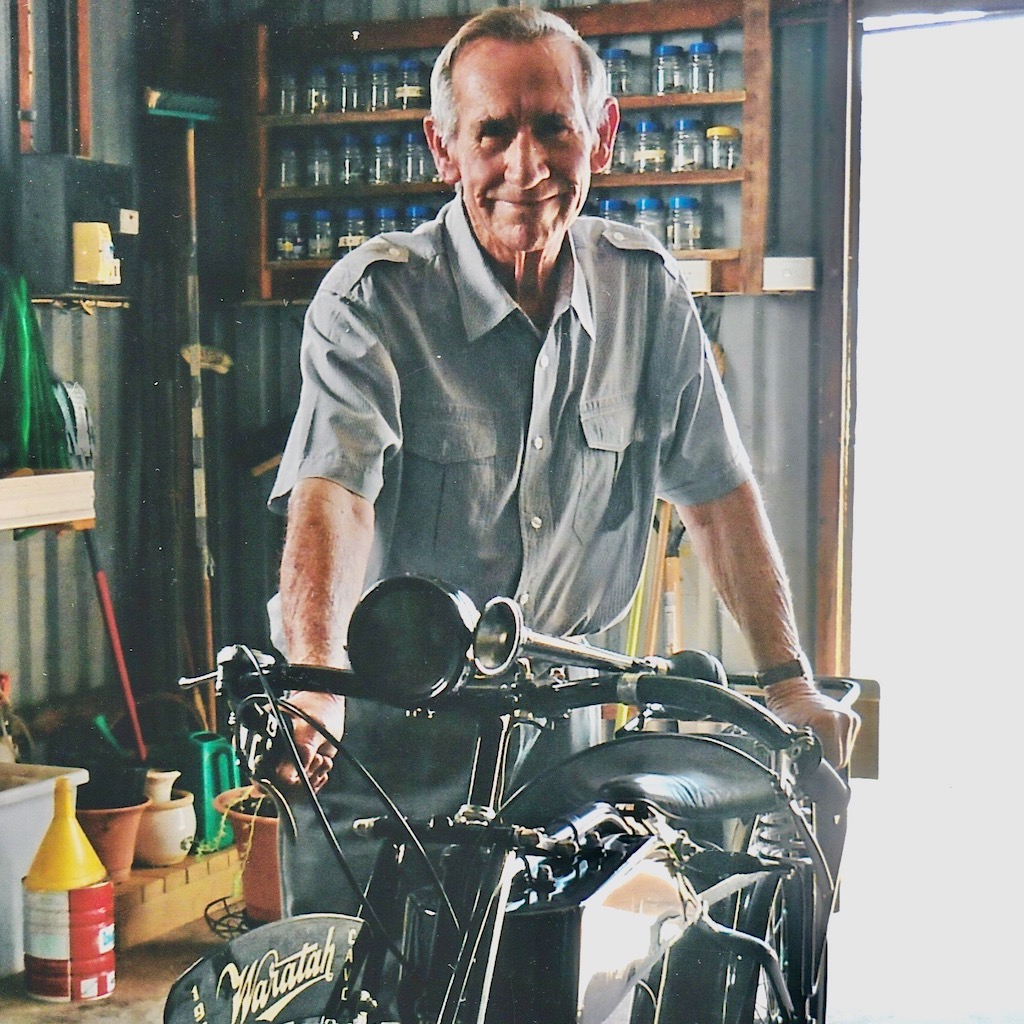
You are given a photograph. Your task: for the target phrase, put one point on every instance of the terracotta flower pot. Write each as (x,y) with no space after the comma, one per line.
(256,842)
(112,831)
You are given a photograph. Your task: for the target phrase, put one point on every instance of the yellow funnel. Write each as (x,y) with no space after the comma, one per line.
(65,859)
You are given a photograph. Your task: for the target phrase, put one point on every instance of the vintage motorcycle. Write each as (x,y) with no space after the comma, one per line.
(661,877)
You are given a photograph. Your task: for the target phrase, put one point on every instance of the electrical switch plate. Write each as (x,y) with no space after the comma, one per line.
(697,275)
(788,274)
(128,222)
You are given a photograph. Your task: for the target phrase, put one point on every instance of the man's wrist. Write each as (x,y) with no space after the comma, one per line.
(794,668)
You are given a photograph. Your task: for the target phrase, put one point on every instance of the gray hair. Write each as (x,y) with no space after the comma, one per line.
(515,25)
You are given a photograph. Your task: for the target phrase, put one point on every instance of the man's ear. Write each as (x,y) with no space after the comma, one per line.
(445,163)
(601,154)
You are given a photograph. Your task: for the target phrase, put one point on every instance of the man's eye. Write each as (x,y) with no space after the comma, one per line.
(495,130)
(552,127)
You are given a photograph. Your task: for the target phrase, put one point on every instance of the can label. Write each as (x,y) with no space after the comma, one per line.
(69,943)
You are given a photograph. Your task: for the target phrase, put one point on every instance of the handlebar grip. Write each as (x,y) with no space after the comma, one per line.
(697,697)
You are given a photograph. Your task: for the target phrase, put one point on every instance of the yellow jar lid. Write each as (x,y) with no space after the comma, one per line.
(723,131)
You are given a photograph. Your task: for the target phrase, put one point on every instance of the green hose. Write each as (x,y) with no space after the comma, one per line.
(32,430)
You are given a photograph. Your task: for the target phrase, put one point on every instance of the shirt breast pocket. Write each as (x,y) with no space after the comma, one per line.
(448,475)
(610,427)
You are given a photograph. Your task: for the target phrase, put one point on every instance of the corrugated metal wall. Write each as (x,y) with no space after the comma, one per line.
(51,637)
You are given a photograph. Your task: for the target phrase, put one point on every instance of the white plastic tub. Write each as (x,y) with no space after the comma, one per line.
(26,809)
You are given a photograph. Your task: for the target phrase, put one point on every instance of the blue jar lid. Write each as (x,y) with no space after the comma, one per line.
(290,215)
(668,50)
(616,53)
(410,64)
(689,124)
(703,48)
(385,213)
(648,126)
(347,68)
(417,211)
(683,203)
(318,71)
(414,136)
(648,203)
(606,205)
(322,215)
(383,139)
(379,65)
(350,139)
(355,213)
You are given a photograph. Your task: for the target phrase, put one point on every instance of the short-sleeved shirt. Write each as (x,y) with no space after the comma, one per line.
(504,459)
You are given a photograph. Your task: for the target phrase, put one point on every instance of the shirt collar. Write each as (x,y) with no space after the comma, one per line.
(483,300)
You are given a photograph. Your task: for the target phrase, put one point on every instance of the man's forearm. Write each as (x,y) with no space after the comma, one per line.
(327,546)
(734,541)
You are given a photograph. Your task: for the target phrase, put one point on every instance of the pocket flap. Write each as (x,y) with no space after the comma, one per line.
(608,422)
(450,433)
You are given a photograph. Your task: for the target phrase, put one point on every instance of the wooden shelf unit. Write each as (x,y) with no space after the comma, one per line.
(734,270)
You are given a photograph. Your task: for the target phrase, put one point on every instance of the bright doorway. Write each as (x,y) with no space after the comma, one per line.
(932,900)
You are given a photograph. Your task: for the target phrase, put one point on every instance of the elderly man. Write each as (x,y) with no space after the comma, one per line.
(498,399)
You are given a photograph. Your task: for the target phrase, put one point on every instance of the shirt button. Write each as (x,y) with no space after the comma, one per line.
(538,443)
(544,362)
(394,252)
(524,599)
(618,236)
(536,522)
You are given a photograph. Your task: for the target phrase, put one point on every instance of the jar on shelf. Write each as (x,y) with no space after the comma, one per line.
(415,162)
(649,213)
(616,210)
(649,148)
(683,230)
(415,215)
(385,218)
(286,92)
(290,243)
(318,98)
(379,86)
(411,85)
(318,163)
(380,168)
(618,67)
(353,230)
(703,67)
(688,145)
(622,150)
(350,162)
(723,147)
(668,70)
(321,236)
(286,174)
(347,92)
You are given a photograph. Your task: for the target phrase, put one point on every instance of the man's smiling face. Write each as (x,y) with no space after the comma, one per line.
(522,148)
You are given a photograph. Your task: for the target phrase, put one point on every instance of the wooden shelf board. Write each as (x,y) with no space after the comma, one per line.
(47,498)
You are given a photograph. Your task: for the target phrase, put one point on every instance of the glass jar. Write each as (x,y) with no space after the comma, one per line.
(668,70)
(290,244)
(683,230)
(649,149)
(321,236)
(287,173)
(353,230)
(649,213)
(622,151)
(703,67)
(350,164)
(415,215)
(347,87)
(723,147)
(379,86)
(688,145)
(318,163)
(287,92)
(615,210)
(380,169)
(385,218)
(318,99)
(415,162)
(411,85)
(617,66)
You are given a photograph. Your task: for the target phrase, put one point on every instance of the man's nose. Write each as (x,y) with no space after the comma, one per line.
(525,160)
